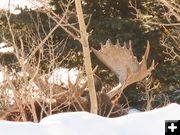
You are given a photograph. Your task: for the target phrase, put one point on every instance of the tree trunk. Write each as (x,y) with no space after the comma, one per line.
(86,53)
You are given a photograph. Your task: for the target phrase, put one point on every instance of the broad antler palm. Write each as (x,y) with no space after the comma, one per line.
(124,64)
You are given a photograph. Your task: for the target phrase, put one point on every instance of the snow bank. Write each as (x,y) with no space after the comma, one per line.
(84,123)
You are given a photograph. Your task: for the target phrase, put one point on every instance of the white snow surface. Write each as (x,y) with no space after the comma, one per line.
(13,4)
(84,123)
(60,75)
(5,49)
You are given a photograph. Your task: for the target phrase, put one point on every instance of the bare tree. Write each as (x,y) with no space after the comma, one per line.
(82,36)
(87,59)
(26,71)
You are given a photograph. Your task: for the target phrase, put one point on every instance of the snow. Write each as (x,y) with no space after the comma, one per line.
(60,75)
(4,4)
(5,49)
(133,110)
(84,123)
(1,77)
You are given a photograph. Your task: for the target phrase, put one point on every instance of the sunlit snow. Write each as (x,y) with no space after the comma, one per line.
(5,49)
(60,76)
(84,123)
(1,77)
(12,5)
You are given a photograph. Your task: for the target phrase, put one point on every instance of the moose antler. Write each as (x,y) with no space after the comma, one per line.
(124,64)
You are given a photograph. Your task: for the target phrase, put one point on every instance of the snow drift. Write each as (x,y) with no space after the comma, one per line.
(84,123)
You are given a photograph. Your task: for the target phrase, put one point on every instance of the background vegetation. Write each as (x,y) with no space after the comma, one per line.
(137,20)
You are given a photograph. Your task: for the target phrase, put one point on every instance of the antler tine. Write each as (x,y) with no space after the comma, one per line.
(78,79)
(70,84)
(143,63)
(117,42)
(125,45)
(146,54)
(130,46)
(108,42)
(130,49)
(152,66)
